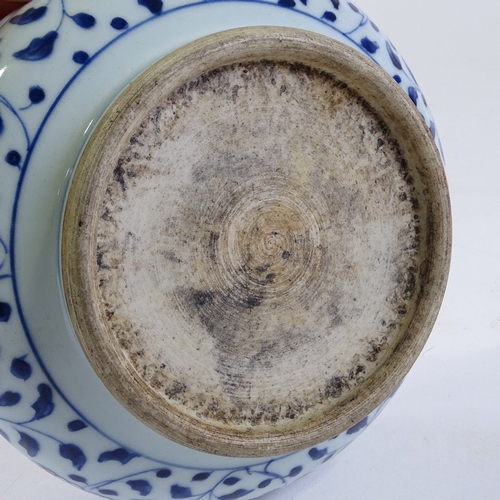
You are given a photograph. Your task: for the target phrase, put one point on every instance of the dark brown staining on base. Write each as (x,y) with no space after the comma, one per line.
(235,300)
(118,176)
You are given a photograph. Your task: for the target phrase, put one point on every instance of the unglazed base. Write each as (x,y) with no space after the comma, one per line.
(255,242)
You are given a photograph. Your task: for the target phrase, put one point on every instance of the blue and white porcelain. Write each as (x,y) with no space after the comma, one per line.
(62,62)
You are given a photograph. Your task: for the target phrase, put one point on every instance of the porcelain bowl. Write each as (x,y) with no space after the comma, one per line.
(78,81)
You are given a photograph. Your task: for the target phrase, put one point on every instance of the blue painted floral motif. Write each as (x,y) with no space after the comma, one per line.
(154,6)
(39,48)
(83,20)
(29,16)
(142,476)
(43,406)
(370,45)
(76,425)
(330,16)
(29,444)
(9,398)
(36,94)
(13,158)
(74,454)
(357,427)
(118,23)
(5,312)
(119,455)
(141,486)
(80,57)
(20,368)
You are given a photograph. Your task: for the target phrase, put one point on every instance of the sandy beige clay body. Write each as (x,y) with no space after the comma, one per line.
(256,242)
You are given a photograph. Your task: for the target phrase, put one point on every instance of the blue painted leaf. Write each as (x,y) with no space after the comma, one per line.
(141,486)
(119,455)
(236,494)
(336,4)
(264,484)
(154,6)
(177,491)
(10,398)
(303,2)
(110,493)
(202,476)
(5,311)
(84,20)
(330,16)
(29,444)
(13,158)
(29,16)
(163,473)
(2,433)
(80,57)
(357,427)
(397,78)
(230,481)
(370,46)
(43,406)
(412,92)
(353,7)
(316,454)
(36,94)
(295,471)
(21,369)
(118,23)
(432,128)
(287,3)
(76,425)
(78,479)
(74,454)
(394,57)
(39,48)
(2,128)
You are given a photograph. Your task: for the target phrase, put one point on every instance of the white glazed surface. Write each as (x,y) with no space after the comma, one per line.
(41,362)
